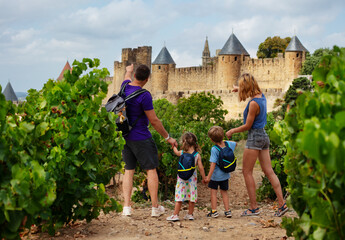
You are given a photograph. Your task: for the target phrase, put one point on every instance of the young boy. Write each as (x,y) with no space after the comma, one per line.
(216,177)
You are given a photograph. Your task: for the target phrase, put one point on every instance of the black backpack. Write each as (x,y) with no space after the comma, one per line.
(117,105)
(186,165)
(227,160)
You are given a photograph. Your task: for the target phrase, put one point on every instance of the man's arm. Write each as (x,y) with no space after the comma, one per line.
(129,71)
(158,126)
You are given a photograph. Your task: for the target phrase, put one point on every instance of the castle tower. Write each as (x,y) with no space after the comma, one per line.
(160,71)
(294,57)
(229,62)
(206,56)
(65,68)
(137,56)
(9,93)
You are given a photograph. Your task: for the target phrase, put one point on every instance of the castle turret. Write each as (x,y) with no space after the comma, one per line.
(9,93)
(206,56)
(294,57)
(229,62)
(160,71)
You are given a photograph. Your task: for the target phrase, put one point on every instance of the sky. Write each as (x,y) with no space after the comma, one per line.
(37,37)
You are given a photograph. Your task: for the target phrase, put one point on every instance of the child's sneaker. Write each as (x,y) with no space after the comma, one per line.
(189,217)
(173,218)
(228,214)
(213,214)
(127,211)
(156,212)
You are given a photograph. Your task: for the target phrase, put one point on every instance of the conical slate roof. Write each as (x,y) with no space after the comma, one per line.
(206,48)
(164,57)
(66,67)
(9,93)
(233,47)
(295,45)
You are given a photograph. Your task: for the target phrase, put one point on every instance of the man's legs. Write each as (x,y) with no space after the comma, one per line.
(152,183)
(127,186)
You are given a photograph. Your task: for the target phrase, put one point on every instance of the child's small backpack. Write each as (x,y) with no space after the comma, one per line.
(227,160)
(117,104)
(186,165)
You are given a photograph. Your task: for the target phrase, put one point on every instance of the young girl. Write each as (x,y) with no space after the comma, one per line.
(186,190)
(255,119)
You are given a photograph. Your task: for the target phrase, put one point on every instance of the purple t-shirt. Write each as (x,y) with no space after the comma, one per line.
(135,109)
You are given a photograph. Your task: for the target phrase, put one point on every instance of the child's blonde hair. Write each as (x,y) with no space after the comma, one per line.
(189,140)
(216,133)
(248,87)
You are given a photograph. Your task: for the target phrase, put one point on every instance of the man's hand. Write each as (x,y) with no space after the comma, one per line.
(172,142)
(129,68)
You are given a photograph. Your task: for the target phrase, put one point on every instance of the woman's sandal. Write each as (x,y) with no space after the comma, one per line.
(281,211)
(251,212)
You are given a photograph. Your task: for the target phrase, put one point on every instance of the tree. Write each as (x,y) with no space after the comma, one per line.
(313,60)
(272,46)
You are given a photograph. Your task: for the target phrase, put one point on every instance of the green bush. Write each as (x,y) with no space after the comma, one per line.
(314,135)
(57,152)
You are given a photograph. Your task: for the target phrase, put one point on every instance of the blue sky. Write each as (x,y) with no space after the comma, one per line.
(37,37)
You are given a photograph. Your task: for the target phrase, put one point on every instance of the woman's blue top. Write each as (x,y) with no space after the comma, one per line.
(261,119)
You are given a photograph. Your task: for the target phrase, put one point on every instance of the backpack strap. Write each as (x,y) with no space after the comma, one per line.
(122,90)
(135,94)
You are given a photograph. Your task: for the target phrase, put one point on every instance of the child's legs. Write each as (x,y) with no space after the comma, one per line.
(213,199)
(225,197)
(177,208)
(249,159)
(191,206)
(266,166)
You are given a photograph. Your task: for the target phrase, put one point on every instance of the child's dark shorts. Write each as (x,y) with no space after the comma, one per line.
(145,152)
(258,139)
(223,185)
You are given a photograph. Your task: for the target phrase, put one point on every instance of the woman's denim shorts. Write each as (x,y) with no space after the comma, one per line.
(258,139)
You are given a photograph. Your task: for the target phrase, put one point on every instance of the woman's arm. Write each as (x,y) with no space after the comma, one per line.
(252,113)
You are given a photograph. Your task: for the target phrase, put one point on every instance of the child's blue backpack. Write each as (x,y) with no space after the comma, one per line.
(227,160)
(186,165)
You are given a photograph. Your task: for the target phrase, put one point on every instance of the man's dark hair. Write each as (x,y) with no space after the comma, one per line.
(142,73)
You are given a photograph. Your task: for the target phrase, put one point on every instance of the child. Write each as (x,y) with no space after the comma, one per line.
(186,190)
(216,177)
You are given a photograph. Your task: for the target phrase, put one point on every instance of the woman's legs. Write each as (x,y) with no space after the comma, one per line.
(249,159)
(266,166)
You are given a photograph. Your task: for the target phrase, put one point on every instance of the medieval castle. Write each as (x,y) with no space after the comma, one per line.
(217,74)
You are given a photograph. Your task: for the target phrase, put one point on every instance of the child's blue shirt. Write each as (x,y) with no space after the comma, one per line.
(219,175)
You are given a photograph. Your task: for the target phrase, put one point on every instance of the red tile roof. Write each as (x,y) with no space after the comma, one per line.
(66,67)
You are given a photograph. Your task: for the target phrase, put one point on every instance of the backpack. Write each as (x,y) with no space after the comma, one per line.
(186,165)
(117,105)
(227,160)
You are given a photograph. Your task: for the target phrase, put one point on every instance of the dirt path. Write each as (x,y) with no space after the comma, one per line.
(142,226)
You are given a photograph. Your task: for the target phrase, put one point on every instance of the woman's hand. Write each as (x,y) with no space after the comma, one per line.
(229,133)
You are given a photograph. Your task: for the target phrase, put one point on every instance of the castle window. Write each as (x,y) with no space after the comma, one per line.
(297,55)
(159,67)
(268,72)
(235,58)
(223,58)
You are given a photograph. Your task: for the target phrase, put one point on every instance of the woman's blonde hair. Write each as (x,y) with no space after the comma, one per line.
(248,87)
(188,140)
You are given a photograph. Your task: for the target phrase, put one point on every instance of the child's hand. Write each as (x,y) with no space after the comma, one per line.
(206,180)
(203,181)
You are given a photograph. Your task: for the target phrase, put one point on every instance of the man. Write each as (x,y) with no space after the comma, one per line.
(140,146)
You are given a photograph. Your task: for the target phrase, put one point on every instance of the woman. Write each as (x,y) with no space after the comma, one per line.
(257,146)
